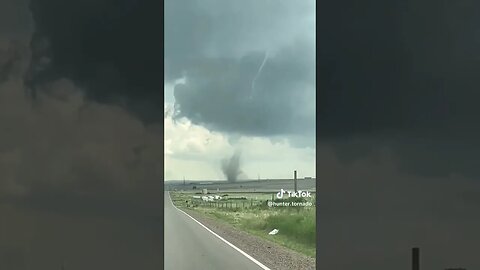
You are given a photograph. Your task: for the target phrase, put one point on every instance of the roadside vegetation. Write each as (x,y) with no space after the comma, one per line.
(250,212)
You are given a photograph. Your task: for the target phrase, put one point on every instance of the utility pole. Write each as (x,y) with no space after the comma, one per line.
(295,180)
(415,258)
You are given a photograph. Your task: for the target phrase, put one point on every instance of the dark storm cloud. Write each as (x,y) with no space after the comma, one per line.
(219,93)
(15,19)
(112,49)
(388,66)
(13,59)
(404,71)
(197,29)
(249,68)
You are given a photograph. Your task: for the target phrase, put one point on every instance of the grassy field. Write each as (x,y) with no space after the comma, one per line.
(249,212)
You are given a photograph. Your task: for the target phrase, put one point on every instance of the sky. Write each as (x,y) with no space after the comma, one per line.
(239,77)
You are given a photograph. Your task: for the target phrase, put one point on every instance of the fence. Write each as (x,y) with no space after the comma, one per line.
(228,204)
(231,204)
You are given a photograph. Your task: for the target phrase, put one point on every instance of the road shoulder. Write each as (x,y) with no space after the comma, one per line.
(269,253)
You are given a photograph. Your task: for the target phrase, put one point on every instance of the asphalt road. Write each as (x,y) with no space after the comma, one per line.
(190,246)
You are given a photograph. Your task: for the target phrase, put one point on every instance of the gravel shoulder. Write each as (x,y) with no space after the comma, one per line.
(269,253)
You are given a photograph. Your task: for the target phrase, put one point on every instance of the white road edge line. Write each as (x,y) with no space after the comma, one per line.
(228,243)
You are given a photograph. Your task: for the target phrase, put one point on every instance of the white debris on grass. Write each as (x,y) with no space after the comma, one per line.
(273,232)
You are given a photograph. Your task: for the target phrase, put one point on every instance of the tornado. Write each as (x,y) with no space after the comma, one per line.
(231,167)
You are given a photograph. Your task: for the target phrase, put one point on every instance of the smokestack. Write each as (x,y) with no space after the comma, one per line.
(416,258)
(295,180)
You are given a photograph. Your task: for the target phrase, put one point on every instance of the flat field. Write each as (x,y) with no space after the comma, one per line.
(250,211)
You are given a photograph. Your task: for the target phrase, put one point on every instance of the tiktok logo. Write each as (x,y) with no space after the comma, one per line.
(280,194)
(302,194)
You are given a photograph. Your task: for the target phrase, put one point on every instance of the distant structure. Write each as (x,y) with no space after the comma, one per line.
(307,177)
(204,191)
(295,180)
(415,258)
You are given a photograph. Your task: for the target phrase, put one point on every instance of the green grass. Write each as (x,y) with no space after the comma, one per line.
(296,225)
